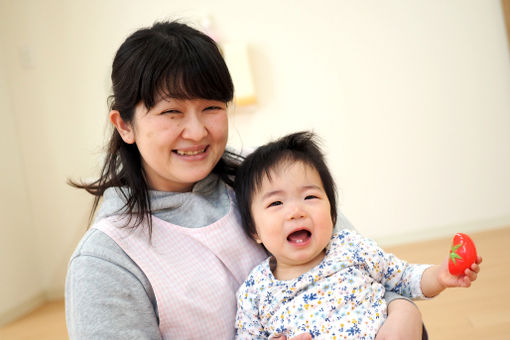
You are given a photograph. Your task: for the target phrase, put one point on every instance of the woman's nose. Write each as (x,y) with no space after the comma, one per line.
(194,128)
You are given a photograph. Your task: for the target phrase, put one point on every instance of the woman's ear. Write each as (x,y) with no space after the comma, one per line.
(125,129)
(256,237)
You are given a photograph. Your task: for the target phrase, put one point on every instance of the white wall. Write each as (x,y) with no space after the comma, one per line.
(411,99)
(18,255)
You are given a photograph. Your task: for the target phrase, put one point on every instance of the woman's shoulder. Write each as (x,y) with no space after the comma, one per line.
(97,244)
(98,250)
(103,281)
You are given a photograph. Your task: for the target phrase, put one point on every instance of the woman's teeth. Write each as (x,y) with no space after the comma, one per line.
(189,153)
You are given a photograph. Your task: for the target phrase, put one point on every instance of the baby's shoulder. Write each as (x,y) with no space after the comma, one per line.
(344,241)
(260,273)
(255,283)
(345,236)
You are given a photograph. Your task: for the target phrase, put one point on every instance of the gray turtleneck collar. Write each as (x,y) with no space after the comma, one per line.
(206,203)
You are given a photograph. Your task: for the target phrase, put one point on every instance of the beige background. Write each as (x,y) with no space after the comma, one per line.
(412,99)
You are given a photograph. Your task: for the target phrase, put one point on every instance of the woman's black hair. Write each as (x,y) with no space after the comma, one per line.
(297,147)
(169,59)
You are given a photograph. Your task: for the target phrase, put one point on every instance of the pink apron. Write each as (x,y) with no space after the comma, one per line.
(194,272)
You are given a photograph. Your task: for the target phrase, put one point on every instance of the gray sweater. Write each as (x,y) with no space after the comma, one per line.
(107,294)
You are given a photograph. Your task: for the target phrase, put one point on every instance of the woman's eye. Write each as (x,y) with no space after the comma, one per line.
(274,204)
(213,108)
(171,111)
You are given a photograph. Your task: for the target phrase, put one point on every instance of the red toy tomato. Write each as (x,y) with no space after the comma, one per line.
(462,254)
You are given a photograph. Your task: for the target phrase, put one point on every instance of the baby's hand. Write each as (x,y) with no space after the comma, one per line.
(464,280)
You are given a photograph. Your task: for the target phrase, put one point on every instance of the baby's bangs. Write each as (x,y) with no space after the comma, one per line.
(267,164)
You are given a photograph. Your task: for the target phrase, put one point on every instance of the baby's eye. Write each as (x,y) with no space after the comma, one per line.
(274,204)
(309,197)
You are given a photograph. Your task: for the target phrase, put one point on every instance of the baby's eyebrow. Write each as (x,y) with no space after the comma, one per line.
(312,186)
(271,193)
(279,192)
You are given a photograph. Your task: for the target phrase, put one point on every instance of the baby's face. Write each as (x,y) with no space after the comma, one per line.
(292,217)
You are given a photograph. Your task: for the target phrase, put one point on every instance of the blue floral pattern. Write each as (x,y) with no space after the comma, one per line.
(341,298)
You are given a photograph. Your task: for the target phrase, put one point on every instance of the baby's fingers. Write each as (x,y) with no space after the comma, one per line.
(471,274)
(475,266)
(465,282)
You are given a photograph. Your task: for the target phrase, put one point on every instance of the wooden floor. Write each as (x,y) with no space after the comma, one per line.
(480,312)
(44,323)
(476,313)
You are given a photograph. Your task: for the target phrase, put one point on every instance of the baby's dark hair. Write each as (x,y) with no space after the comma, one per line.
(297,147)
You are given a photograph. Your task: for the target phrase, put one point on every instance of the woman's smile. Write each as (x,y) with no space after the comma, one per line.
(191,151)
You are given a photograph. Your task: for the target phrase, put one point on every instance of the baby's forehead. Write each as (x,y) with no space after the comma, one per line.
(284,165)
(280,169)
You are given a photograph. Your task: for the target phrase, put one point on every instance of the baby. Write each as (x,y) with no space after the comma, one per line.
(320,279)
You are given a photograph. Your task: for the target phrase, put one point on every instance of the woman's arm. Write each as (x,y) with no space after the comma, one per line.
(404,321)
(106,296)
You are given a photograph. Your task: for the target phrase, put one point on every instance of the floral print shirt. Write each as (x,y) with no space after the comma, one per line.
(341,298)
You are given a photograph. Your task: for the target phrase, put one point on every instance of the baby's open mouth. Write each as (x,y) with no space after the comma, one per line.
(299,236)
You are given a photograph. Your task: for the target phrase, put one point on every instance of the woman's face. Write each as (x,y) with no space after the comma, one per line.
(180,141)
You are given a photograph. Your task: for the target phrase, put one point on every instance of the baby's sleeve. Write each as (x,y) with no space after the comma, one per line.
(404,278)
(395,274)
(247,324)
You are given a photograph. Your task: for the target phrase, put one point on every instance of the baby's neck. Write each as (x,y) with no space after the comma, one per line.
(283,271)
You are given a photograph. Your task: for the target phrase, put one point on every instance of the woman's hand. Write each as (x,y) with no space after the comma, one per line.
(304,336)
(403,322)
